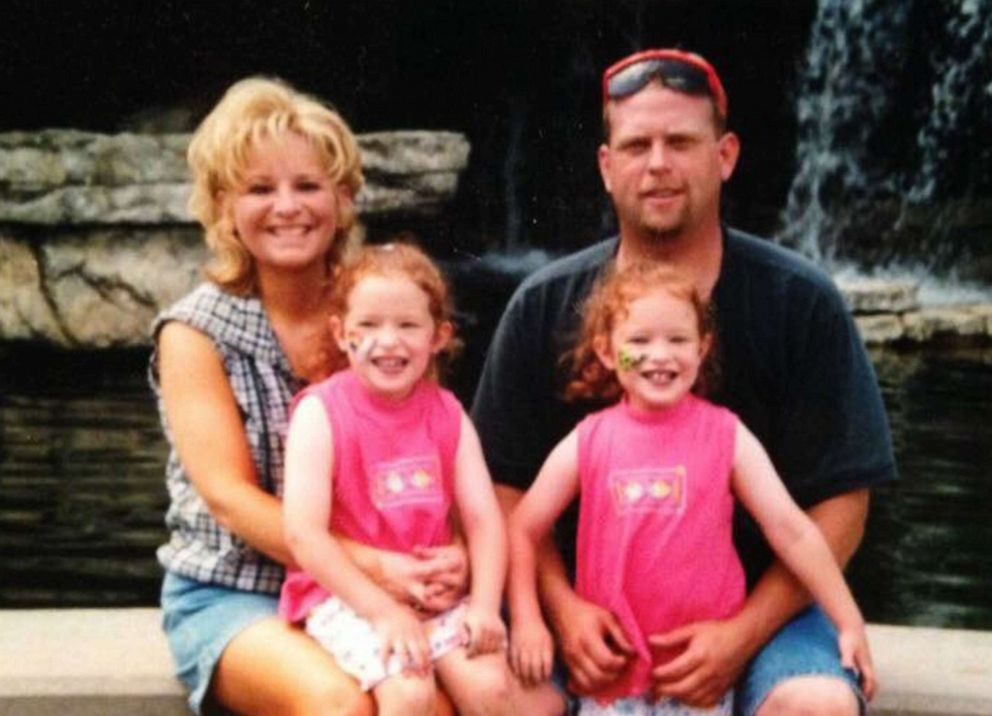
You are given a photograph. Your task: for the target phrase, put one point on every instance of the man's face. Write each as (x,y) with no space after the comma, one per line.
(664,163)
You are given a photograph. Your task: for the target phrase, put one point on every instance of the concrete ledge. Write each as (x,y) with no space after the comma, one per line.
(86,662)
(106,662)
(932,671)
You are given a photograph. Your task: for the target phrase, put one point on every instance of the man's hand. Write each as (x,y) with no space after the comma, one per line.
(593,644)
(714,655)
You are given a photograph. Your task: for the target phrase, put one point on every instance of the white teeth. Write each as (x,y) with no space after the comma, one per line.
(389,363)
(660,376)
(289,230)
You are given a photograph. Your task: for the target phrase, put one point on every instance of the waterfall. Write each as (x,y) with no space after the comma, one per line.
(894,161)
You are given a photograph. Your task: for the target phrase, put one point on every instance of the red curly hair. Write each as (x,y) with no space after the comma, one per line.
(607,306)
(400,257)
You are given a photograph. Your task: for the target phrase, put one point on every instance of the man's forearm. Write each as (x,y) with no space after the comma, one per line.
(778,595)
(553,586)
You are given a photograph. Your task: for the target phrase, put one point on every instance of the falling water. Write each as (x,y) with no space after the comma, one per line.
(894,115)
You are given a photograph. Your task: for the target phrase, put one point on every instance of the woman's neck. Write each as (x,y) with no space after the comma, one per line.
(298,310)
(293,296)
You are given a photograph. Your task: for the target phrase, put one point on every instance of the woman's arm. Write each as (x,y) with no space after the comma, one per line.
(307,505)
(432,579)
(800,545)
(209,437)
(557,483)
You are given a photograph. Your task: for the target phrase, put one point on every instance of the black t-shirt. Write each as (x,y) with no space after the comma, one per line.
(792,365)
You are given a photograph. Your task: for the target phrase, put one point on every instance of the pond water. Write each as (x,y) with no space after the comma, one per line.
(82,496)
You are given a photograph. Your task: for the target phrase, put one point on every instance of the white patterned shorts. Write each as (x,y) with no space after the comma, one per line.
(637,706)
(356,646)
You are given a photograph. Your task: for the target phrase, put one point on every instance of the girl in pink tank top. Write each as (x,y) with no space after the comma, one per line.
(657,474)
(380,454)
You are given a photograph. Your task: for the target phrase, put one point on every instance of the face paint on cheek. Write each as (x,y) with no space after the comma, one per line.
(626,360)
(361,347)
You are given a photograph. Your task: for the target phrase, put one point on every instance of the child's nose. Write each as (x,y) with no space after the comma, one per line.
(659,351)
(387,336)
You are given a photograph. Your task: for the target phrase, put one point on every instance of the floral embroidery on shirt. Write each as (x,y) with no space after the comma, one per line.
(406,481)
(649,490)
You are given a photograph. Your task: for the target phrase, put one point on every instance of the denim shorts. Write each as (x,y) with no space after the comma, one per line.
(805,646)
(199,621)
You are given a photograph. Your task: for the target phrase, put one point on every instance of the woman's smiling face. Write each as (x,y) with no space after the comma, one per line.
(285,210)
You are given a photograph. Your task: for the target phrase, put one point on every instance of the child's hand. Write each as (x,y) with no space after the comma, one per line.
(486,632)
(532,651)
(403,637)
(855,654)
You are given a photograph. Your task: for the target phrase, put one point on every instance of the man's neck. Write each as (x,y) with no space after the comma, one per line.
(697,255)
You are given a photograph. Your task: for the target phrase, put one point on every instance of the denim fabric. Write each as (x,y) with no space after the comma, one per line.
(806,646)
(199,621)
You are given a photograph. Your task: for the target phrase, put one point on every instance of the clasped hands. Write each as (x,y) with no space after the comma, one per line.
(596,651)
(428,579)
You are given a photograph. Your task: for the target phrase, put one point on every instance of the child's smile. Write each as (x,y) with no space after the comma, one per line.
(657,350)
(388,334)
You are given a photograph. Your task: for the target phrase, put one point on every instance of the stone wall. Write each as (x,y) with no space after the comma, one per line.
(95,237)
(890,312)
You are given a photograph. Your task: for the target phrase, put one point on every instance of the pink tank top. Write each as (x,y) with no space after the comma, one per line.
(655,543)
(393,473)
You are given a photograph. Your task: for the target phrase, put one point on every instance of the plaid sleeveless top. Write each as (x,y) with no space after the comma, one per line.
(263,384)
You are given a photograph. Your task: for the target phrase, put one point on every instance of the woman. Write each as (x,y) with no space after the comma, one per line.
(275,174)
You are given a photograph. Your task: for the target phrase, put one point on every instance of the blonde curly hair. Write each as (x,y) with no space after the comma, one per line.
(253,110)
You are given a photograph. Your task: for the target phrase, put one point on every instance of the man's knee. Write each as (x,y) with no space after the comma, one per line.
(811,696)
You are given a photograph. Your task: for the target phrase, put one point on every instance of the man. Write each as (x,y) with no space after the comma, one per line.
(793,368)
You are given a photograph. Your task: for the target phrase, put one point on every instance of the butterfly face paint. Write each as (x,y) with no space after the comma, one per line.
(626,360)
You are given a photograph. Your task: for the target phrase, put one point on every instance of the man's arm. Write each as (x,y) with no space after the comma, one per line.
(828,436)
(716,652)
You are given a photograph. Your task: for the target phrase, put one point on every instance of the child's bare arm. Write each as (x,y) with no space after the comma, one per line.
(482,522)
(557,483)
(801,546)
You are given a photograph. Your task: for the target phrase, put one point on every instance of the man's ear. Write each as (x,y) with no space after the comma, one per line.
(601,346)
(730,150)
(603,156)
(442,336)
